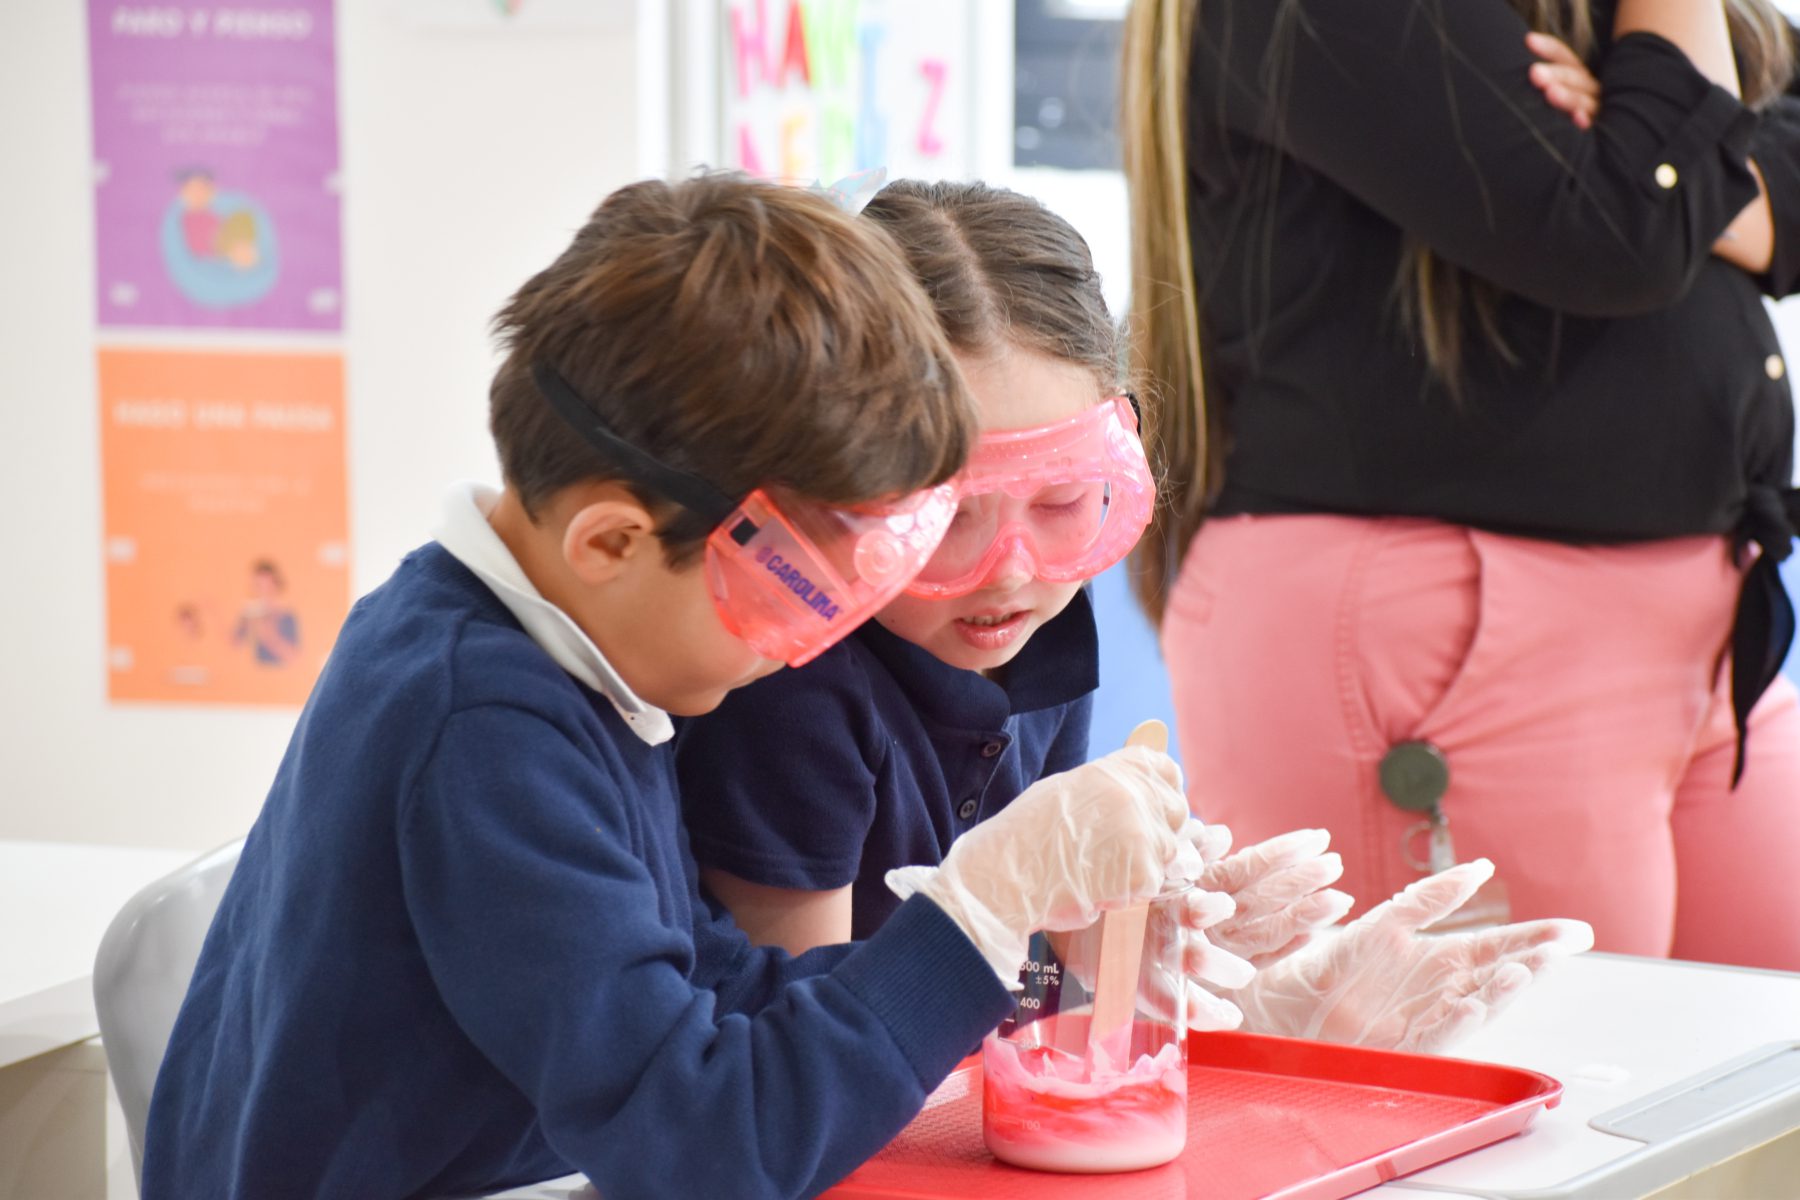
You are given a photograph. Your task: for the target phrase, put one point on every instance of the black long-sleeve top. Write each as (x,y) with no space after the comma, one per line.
(1646,395)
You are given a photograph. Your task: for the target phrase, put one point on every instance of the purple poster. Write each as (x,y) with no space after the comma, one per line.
(216,164)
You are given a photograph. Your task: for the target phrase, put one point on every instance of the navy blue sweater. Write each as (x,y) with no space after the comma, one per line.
(884,755)
(464,949)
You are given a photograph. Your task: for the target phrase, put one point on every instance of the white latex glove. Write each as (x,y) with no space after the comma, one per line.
(1206,968)
(1281,888)
(1178,990)
(1380,982)
(1101,836)
(1211,842)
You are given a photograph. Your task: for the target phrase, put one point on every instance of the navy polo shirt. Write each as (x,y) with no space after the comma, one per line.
(877,755)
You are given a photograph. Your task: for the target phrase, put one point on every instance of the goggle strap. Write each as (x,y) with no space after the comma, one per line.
(690,491)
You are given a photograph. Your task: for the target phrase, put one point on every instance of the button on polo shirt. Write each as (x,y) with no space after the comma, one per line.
(878,755)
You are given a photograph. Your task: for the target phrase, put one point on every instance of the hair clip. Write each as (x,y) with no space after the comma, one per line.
(853,192)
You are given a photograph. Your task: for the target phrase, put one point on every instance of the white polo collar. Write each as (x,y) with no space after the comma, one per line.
(464,531)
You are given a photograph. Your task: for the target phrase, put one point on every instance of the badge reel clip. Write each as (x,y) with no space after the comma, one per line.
(1414,777)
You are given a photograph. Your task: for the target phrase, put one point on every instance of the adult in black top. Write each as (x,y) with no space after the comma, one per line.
(1616,379)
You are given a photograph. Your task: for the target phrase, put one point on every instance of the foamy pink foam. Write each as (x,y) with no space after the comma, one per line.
(1054,1111)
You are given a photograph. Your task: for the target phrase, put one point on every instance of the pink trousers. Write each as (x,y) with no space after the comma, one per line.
(1578,693)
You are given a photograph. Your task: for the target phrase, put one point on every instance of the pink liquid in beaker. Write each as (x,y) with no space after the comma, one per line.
(1120,1106)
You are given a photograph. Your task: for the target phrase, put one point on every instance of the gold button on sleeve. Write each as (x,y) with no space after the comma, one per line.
(1667,176)
(1774,366)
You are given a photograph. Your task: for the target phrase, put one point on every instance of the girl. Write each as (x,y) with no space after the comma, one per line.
(803,791)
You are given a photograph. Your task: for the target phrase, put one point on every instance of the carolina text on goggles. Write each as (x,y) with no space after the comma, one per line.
(789,576)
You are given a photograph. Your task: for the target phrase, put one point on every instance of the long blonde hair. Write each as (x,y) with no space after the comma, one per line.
(1436,298)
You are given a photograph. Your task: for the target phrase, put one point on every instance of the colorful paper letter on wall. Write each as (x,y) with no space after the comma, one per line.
(817,89)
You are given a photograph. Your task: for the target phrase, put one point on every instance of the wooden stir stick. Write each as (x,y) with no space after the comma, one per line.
(1122,937)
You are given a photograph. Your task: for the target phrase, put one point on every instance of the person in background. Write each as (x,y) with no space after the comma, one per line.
(934,717)
(463,948)
(1477,440)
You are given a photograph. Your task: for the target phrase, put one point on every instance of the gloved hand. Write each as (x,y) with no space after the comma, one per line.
(1281,890)
(1203,963)
(1174,990)
(1101,836)
(1380,982)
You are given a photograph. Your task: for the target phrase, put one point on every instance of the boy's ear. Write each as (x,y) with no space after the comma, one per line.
(608,531)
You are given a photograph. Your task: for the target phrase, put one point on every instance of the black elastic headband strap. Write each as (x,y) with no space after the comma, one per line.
(689,491)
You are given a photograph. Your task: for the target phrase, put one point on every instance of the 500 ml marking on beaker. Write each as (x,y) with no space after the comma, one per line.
(1042,977)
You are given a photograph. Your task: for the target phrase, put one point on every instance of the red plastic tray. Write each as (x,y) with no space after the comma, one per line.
(1267,1117)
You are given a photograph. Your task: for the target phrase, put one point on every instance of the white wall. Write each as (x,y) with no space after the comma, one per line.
(469,158)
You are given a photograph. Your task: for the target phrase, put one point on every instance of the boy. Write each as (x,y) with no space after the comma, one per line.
(464,948)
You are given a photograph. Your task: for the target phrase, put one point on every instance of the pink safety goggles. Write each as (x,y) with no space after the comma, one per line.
(792,578)
(789,576)
(1070,499)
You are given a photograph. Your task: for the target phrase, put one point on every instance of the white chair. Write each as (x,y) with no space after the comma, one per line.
(141,975)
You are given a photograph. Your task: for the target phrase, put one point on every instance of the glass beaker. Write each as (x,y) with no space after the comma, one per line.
(1060,1093)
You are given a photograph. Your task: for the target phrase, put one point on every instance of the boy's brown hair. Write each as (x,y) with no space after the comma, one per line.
(746,332)
(1001,268)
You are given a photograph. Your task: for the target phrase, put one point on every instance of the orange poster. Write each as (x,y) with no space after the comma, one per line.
(227,523)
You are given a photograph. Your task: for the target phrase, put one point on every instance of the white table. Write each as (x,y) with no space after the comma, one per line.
(1713,1052)
(1617,1030)
(56,900)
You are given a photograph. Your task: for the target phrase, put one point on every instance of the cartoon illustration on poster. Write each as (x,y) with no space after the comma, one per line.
(216,165)
(226,523)
(820,89)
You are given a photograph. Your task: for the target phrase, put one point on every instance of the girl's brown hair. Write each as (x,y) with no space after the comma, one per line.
(1437,298)
(999,268)
(746,332)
